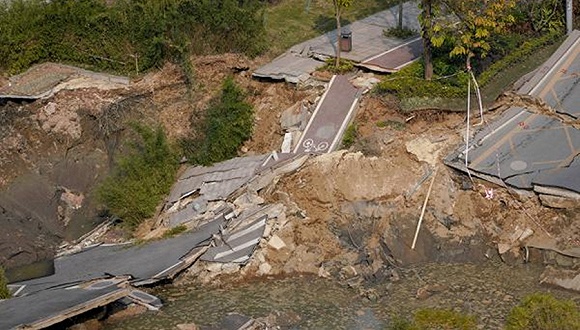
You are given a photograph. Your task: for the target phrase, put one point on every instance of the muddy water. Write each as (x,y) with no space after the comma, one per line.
(487,291)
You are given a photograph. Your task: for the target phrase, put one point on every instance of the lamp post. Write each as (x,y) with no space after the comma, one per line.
(569,16)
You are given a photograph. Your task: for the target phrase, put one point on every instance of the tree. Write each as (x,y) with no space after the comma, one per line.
(468,25)
(400,18)
(339,7)
(4,292)
(426,33)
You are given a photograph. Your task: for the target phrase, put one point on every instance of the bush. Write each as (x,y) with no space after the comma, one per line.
(228,124)
(114,37)
(410,82)
(525,50)
(543,311)
(4,292)
(344,66)
(140,180)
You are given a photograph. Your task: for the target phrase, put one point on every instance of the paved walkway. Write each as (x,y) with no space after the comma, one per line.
(328,122)
(368,44)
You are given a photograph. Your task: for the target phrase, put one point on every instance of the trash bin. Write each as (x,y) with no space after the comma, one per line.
(345,41)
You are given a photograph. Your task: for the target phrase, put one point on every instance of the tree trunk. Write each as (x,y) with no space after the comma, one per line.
(338,32)
(426,13)
(401,14)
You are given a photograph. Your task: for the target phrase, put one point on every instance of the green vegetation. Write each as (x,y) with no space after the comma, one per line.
(174,231)
(518,54)
(435,319)
(343,67)
(543,311)
(4,292)
(125,36)
(141,179)
(229,122)
(350,135)
(409,82)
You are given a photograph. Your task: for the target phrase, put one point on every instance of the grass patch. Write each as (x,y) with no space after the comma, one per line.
(293,21)
(141,179)
(401,33)
(435,319)
(544,311)
(409,82)
(174,231)
(350,135)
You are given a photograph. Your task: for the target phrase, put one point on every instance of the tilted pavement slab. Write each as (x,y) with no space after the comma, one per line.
(53,306)
(557,81)
(330,118)
(141,261)
(526,149)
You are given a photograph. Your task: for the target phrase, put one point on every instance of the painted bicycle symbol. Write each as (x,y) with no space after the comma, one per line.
(310,146)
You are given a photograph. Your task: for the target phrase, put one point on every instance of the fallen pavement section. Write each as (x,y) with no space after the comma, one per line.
(44,80)
(531,149)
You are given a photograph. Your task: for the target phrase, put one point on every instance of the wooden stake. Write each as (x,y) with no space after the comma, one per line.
(423,210)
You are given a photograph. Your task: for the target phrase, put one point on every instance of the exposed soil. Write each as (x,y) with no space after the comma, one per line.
(347,209)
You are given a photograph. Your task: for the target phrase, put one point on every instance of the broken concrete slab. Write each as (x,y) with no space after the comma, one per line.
(52,306)
(153,261)
(290,67)
(295,117)
(564,278)
(217,181)
(238,245)
(524,149)
(559,202)
(44,80)
(556,81)
(276,242)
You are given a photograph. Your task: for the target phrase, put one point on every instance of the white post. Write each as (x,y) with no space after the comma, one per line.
(569,16)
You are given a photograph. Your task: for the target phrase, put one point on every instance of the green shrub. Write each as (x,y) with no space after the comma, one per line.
(350,135)
(141,179)
(409,82)
(443,319)
(4,292)
(344,66)
(126,35)
(228,124)
(543,312)
(525,50)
